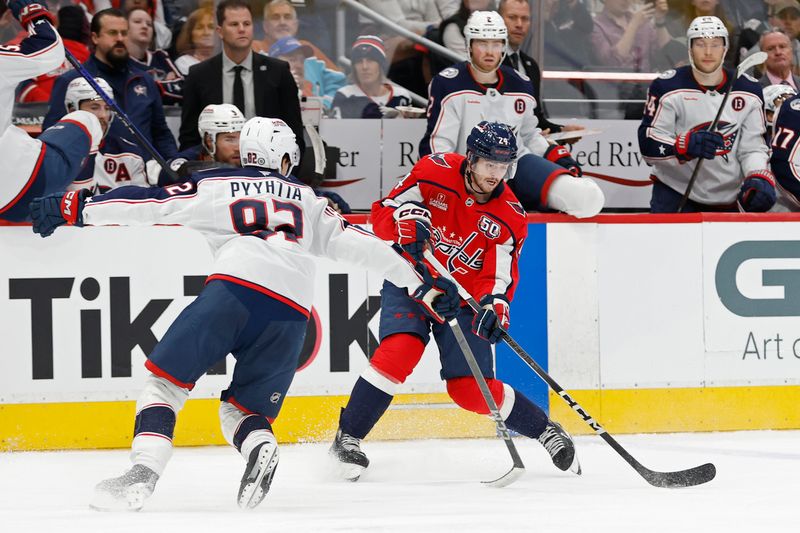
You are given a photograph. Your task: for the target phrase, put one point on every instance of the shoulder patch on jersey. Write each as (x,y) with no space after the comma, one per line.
(795,105)
(667,74)
(449,72)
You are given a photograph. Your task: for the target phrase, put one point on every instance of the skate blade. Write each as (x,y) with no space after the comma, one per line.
(253,493)
(575,467)
(131,501)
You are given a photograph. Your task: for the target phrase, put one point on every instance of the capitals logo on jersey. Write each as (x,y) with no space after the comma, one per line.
(455,247)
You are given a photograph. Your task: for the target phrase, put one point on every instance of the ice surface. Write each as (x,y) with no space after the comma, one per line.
(425,486)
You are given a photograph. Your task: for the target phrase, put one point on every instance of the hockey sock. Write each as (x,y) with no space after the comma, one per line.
(252,431)
(526,418)
(366,406)
(152,437)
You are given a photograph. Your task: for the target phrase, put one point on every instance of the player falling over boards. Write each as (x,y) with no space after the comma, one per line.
(546,177)
(673,135)
(263,228)
(477,226)
(35,167)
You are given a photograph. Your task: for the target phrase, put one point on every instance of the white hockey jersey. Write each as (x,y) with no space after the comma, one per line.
(119,162)
(677,104)
(39,53)
(457,103)
(261,226)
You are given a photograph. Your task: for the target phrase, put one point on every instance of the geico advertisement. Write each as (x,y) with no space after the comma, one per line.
(752,300)
(81,309)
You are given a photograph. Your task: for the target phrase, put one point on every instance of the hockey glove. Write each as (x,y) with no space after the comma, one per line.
(28,11)
(55,210)
(757,194)
(413,228)
(700,143)
(494,313)
(561,157)
(438,296)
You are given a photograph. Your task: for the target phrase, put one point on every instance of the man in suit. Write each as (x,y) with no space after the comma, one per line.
(517,16)
(779,63)
(258,85)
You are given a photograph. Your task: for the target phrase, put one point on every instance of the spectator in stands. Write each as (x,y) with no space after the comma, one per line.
(517,16)
(451,29)
(415,15)
(258,85)
(780,61)
(788,13)
(196,40)
(135,91)
(280,20)
(74,30)
(740,12)
(372,95)
(156,63)
(567,29)
(162,34)
(310,74)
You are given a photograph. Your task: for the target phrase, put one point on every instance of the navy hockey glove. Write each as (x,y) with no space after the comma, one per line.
(700,143)
(55,210)
(757,194)
(438,296)
(27,11)
(561,157)
(494,313)
(413,228)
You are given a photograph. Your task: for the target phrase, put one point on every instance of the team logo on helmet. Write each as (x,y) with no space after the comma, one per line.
(795,105)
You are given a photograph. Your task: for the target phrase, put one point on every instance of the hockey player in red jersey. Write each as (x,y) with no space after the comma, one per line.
(476,226)
(263,228)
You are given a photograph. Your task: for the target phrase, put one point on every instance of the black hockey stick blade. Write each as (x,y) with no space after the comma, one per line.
(680,479)
(506,479)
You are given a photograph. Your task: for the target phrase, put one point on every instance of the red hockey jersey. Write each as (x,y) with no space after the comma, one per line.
(479,243)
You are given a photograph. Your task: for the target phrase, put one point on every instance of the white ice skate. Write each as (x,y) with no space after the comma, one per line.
(258,474)
(125,493)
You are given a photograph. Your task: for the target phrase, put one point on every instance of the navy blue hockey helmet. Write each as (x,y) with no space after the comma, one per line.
(493,141)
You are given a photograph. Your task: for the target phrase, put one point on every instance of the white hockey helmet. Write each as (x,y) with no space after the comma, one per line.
(486,25)
(79,91)
(706,28)
(218,118)
(773,92)
(264,143)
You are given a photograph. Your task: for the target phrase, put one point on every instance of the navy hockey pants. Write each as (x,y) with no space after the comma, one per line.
(532,179)
(666,200)
(66,147)
(401,314)
(263,334)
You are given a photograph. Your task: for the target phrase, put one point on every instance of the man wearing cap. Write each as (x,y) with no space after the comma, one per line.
(280,21)
(780,60)
(310,74)
(787,18)
(258,85)
(372,95)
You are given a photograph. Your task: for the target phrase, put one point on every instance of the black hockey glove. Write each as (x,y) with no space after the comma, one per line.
(55,210)
(437,296)
(561,157)
(27,11)
(757,194)
(413,228)
(494,313)
(700,143)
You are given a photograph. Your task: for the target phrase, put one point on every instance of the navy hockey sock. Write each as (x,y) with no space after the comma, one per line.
(155,420)
(526,418)
(247,426)
(366,406)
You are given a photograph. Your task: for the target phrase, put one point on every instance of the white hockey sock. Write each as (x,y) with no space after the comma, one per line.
(579,197)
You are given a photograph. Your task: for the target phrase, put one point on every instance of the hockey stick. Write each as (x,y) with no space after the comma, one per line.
(682,478)
(748,63)
(502,431)
(173,176)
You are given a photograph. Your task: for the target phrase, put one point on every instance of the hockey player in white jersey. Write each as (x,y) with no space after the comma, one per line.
(35,167)
(680,107)
(263,228)
(463,95)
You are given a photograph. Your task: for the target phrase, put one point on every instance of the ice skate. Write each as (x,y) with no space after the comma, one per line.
(258,474)
(346,449)
(559,445)
(125,493)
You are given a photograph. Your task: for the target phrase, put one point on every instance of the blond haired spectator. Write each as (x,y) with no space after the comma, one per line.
(196,41)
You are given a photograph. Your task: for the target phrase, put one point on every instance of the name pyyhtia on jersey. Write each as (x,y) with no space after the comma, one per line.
(261,228)
(458,102)
(785,158)
(676,104)
(479,243)
(40,52)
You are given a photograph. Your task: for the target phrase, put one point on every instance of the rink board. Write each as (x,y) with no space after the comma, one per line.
(654,323)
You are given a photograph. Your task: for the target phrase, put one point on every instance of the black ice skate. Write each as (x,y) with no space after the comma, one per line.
(258,474)
(559,445)
(346,449)
(125,493)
